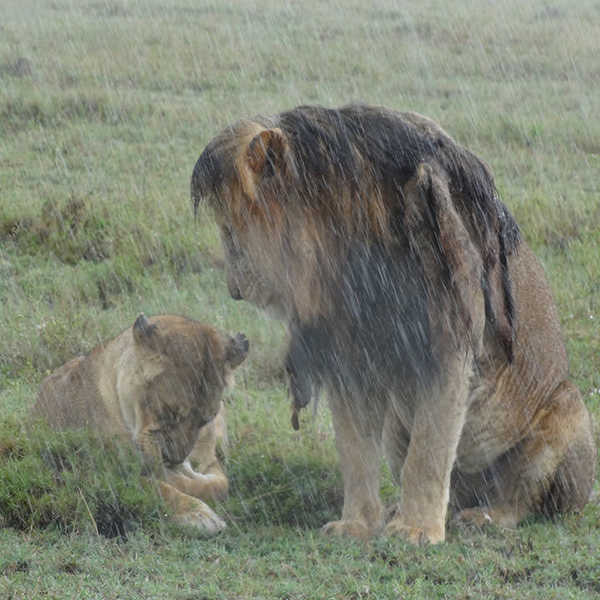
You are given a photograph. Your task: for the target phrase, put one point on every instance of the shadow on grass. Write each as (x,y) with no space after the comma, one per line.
(296,491)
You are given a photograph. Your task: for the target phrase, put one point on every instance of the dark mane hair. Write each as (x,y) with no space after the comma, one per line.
(360,141)
(390,146)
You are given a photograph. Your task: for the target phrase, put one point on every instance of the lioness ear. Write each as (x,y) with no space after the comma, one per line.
(237,350)
(143,330)
(267,152)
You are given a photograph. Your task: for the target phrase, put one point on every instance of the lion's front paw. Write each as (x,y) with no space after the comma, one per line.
(356,529)
(418,536)
(204,519)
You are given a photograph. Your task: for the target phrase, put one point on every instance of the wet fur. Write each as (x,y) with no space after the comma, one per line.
(413,301)
(158,385)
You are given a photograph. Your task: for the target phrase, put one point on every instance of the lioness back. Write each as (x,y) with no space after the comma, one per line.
(70,398)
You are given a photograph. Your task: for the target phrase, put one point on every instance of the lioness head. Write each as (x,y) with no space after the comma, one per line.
(184,367)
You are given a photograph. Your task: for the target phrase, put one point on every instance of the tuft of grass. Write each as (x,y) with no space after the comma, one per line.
(272,489)
(73,481)
(17,114)
(278,476)
(70,231)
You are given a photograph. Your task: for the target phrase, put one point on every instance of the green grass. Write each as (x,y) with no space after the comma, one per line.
(104,107)
(72,481)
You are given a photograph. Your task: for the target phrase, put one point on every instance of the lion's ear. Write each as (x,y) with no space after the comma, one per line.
(267,152)
(143,330)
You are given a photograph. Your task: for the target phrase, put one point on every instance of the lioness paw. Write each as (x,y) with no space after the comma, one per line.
(419,536)
(355,529)
(204,519)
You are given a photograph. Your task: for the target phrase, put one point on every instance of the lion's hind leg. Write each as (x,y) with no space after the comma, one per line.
(572,483)
(550,472)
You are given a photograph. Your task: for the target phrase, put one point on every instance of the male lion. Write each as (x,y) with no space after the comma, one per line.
(411,297)
(158,384)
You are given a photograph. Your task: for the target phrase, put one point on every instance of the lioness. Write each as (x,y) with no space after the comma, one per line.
(412,298)
(158,384)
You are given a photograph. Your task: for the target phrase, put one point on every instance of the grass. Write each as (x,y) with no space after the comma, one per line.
(105,106)
(72,481)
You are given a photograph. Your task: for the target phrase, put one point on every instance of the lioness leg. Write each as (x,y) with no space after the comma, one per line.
(202,475)
(358,447)
(206,486)
(211,485)
(551,471)
(425,481)
(190,511)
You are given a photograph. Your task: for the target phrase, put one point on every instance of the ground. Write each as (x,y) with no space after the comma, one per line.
(104,109)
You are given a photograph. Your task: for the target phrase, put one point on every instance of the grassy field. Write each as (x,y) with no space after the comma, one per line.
(105,106)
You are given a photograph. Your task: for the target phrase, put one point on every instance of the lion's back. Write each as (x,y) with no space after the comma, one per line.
(539,340)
